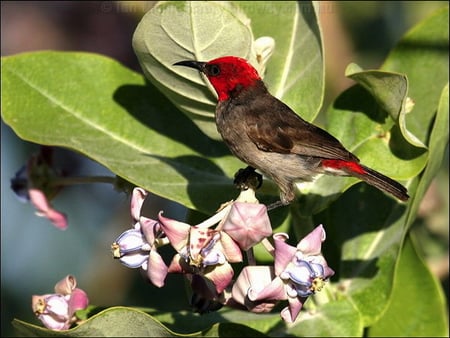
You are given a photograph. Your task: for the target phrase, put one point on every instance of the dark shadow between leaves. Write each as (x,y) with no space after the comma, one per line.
(358,100)
(402,148)
(358,268)
(424,45)
(151,108)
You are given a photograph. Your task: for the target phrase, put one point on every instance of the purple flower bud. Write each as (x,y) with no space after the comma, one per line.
(130,248)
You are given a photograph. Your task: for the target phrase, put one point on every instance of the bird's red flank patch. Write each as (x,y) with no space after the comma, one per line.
(344,165)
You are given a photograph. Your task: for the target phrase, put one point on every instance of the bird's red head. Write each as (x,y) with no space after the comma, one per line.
(226,74)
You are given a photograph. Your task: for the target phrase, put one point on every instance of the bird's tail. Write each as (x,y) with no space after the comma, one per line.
(382,182)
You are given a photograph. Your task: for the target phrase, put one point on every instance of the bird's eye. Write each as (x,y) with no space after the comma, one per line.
(214,70)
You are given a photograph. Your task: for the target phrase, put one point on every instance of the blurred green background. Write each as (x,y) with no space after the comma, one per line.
(35,255)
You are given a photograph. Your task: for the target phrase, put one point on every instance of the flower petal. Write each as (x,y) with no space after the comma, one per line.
(254,278)
(176,231)
(231,249)
(128,248)
(312,243)
(78,300)
(157,270)
(201,240)
(53,323)
(149,228)
(130,240)
(137,200)
(220,275)
(275,290)
(66,285)
(283,252)
(40,202)
(176,265)
(290,313)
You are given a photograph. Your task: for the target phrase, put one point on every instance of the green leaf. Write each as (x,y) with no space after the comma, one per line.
(362,247)
(437,147)
(321,322)
(390,91)
(422,54)
(185,321)
(417,301)
(128,322)
(112,322)
(370,237)
(94,105)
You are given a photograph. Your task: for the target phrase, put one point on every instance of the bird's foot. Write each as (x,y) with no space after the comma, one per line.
(275,205)
(247,178)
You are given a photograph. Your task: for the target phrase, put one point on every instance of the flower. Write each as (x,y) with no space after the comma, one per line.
(57,310)
(254,278)
(247,224)
(136,247)
(203,251)
(32,183)
(300,272)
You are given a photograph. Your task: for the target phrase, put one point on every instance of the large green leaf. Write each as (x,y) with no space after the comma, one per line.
(321,322)
(185,321)
(417,301)
(94,105)
(422,55)
(128,322)
(390,90)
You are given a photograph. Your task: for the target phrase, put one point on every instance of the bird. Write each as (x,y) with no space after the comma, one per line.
(267,135)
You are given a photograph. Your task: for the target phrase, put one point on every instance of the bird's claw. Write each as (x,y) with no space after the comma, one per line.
(247,178)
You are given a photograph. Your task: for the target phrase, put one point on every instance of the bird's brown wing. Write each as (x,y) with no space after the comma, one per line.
(279,129)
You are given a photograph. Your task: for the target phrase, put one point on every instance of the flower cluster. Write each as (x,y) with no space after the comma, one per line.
(57,310)
(205,255)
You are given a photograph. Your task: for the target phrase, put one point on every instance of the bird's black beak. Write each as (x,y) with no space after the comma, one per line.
(192,64)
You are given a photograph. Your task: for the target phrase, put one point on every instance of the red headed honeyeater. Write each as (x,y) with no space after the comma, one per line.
(267,135)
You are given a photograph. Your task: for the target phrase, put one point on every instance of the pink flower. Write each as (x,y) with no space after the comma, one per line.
(57,310)
(201,251)
(137,247)
(300,272)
